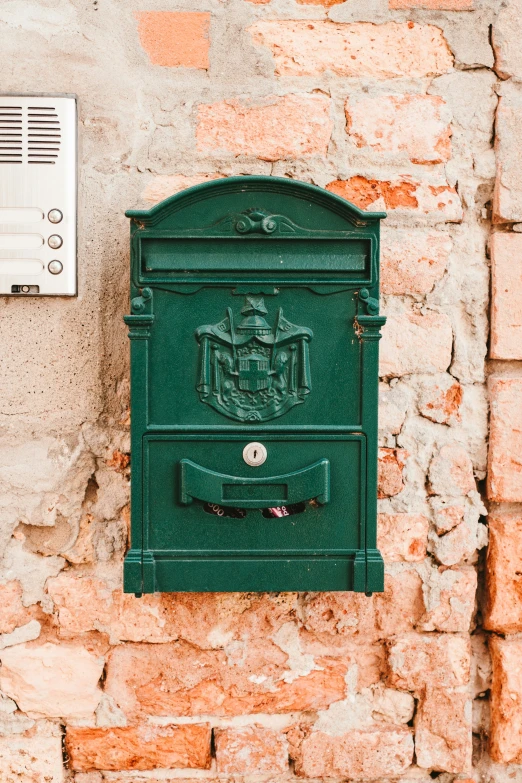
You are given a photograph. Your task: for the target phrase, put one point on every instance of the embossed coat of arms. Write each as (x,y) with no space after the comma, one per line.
(253,371)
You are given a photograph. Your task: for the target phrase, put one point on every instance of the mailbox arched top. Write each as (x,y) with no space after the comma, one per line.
(297,202)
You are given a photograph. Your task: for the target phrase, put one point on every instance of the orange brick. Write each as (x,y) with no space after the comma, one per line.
(175,38)
(412,261)
(443,738)
(403,195)
(505,441)
(383,51)
(414,127)
(403,537)
(503,612)
(391,465)
(357,754)
(178,679)
(252,750)
(294,126)
(139,747)
(433,5)
(505,736)
(506,296)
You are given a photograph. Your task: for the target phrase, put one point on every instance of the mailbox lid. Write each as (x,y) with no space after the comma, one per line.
(291,233)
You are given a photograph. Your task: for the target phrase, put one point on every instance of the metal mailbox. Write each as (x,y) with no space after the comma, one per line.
(254,332)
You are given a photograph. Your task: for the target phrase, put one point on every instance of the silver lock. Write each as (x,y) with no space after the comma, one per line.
(254,454)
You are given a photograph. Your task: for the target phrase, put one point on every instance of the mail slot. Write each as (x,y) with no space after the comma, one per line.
(254,333)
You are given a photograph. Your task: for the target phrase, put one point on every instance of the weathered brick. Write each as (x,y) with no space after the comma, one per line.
(417,661)
(276,128)
(177,679)
(506,36)
(391,464)
(385,51)
(405,195)
(31,759)
(251,750)
(207,620)
(451,472)
(433,5)
(505,440)
(52,680)
(412,261)
(403,537)
(139,747)
(400,607)
(415,343)
(443,736)
(175,38)
(413,127)
(162,187)
(449,596)
(325,3)
(440,399)
(358,755)
(503,611)
(506,296)
(12,611)
(507,196)
(505,736)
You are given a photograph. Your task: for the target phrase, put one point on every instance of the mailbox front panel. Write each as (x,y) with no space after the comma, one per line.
(254,326)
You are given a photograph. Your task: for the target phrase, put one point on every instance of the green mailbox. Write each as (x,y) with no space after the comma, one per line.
(254,334)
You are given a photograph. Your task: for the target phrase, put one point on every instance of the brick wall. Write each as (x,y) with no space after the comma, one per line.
(410,106)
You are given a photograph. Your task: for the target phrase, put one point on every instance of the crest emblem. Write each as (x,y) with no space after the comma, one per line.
(253,371)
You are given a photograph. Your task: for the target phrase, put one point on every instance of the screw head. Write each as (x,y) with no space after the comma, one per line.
(55,267)
(55,216)
(55,241)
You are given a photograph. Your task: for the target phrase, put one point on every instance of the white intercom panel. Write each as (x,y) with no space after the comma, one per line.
(38,190)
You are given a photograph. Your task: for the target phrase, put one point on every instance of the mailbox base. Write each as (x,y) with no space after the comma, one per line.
(148,573)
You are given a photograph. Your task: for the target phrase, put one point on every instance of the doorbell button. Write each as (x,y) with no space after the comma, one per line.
(254,454)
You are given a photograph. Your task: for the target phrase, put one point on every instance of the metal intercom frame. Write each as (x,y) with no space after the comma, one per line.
(38,194)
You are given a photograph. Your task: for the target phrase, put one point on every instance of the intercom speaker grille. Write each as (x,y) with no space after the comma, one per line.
(43,134)
(11,134)
(29,134)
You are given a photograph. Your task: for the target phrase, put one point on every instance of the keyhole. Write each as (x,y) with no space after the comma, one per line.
(254,454)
